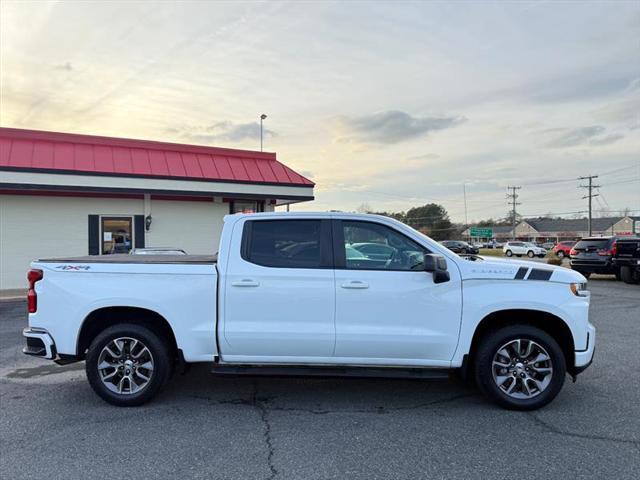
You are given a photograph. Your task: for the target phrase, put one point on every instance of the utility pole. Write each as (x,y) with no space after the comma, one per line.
(262,118)
(466,222)
(512,197)
(590,186)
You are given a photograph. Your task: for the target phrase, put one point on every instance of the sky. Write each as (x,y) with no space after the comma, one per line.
(384,105)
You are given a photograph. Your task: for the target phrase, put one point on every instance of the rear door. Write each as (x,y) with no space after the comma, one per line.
(279,293)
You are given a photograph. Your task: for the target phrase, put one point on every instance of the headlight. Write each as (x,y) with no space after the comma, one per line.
(578,289)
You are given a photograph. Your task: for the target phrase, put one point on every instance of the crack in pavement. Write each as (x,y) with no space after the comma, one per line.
(263,403)
(553,429)
(260,404)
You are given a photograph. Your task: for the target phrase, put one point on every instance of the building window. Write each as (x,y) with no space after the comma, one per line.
(246,206)
(116,235)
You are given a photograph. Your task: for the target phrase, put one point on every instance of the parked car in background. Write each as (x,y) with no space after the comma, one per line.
(563,249)
(376,251)
(627,258)
(523,248)
(595,255)
(548,245)
(158,251)
(461,247)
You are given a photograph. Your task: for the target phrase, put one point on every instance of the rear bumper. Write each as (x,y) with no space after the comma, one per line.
(39,344)
(583,358)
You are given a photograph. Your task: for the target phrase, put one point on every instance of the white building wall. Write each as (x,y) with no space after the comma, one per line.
(33,227)
(193,226)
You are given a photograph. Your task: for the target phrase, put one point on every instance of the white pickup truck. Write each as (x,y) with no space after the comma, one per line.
(295,293)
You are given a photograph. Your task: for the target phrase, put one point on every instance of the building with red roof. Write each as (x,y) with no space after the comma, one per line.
(66,194)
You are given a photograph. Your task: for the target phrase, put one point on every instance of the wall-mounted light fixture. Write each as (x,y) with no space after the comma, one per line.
(147,222)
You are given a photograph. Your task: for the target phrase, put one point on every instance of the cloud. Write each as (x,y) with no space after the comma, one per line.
(222,131)
(426,156)
(64,66)
(607,139)
(392,126)
(591,135)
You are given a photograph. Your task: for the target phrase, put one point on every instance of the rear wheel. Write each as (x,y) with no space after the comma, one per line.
(519,367)
(628,275)
(463,251)
(128,364)
(509,253)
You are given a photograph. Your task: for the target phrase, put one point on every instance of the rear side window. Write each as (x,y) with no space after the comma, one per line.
(285,243)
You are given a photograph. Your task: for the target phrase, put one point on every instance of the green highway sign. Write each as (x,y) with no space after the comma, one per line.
(481,232)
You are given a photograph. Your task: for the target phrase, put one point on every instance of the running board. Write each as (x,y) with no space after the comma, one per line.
(330,371)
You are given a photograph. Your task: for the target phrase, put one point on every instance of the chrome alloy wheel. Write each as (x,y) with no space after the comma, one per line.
(125,365)
(522,369)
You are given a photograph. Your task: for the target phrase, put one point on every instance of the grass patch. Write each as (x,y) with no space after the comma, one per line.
(491,252)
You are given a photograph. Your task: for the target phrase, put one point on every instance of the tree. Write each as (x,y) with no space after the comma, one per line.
(364,208)
(431,219)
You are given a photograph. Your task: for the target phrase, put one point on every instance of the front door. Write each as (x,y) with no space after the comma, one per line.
(279,293)
(388,310)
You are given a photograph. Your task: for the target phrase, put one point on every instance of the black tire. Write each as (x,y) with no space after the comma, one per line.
(463,251)
(483,360)
(560,254)
(628,275)
(508,253)
(162,364)
(530,254)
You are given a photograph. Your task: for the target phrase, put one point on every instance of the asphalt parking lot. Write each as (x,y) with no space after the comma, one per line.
(53,426)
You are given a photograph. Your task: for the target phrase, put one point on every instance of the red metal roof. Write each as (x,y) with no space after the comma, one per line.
(53,152)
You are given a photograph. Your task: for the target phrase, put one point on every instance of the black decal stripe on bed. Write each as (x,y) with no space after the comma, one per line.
(522,271)
(539,274)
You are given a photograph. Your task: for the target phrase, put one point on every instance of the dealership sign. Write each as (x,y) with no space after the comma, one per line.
(481,232)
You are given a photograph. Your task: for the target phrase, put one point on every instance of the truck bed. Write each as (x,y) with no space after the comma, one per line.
(136,259)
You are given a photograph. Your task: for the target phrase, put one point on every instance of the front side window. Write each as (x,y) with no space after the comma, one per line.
(284,243)
(116,235)
(379,247)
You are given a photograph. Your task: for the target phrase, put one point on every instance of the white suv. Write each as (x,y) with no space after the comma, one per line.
(523,248)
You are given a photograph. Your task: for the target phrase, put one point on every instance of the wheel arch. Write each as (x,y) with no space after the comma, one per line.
(102,318)
(546,321)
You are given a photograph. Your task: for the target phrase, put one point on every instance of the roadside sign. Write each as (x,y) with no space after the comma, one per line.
(481,232)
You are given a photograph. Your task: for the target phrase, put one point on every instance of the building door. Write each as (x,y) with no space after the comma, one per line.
(117,235)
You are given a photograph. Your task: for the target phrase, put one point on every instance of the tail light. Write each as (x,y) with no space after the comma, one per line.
(573,251)
(33,276)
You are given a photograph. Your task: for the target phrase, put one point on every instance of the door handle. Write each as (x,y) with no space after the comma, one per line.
(355,284)
(246,282)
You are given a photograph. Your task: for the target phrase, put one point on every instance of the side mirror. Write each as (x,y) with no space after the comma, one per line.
(437,265)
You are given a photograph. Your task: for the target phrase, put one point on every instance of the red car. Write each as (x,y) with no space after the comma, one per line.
(562,249)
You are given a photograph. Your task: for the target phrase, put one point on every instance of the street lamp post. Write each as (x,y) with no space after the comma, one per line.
(262,117)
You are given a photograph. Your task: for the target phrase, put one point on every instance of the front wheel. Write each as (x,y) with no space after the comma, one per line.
(560,254)
(519,367)
(530,254)
(128,364)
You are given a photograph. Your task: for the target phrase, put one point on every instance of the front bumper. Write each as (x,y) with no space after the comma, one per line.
(583,358)
(39,344)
